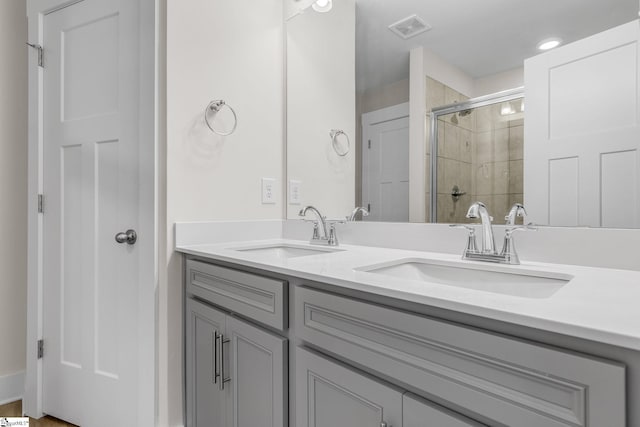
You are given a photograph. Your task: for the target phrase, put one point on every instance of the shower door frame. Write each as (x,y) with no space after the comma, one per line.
(481,101)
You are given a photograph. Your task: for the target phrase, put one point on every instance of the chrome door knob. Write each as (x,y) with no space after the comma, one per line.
(129,237)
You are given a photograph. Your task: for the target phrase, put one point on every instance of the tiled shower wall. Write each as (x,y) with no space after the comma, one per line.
(480,152)
(498,160)
(449,158)
(455,166)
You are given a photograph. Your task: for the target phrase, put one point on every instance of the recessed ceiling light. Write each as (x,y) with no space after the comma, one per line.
(322,5)
(549,43)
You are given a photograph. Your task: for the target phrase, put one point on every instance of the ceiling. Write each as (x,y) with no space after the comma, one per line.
(481,37)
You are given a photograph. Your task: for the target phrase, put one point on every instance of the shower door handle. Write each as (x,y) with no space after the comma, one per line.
(456,193)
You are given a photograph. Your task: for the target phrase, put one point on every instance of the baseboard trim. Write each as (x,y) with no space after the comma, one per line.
(11,387)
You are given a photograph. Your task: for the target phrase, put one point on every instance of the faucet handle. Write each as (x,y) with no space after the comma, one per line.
(335,221)
(508,248)
(466,227)
(528,227)
(472,246)
(316,231)
(333,238)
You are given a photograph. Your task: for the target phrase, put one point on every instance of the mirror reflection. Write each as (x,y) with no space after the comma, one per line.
(479,157)
(384,73)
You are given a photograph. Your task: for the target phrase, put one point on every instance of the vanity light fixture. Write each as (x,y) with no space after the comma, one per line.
(549,43)
(322,5)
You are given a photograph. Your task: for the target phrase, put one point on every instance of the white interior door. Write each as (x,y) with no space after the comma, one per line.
(91,180)
(582,137)
(385,164)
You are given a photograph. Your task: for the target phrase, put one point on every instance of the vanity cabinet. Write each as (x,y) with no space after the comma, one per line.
(362,363)
(236,372)
(509,381)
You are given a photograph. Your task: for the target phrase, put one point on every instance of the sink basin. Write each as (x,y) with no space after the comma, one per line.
(286,251)
(492,278)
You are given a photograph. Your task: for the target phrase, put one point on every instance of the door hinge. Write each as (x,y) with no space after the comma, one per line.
(40,50)
(40,349)
(369,144)
(40,203)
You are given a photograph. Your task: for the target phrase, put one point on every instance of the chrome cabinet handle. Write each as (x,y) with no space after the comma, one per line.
(129,237)
(223,380)
(216,375)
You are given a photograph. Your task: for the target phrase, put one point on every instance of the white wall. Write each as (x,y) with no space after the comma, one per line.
(509,79)
(418,136)
(450,75)
(214,50)
(13,193)
(321,97)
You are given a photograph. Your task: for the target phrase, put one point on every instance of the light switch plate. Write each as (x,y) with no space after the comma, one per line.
(295,192)
(268,191)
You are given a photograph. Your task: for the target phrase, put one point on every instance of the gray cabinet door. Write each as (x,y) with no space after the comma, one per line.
(258,376)
(417,412)
(332,395)
(205,400)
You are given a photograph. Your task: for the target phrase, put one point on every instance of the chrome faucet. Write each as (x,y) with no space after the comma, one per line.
(355,212)
(508,254)
(327,238)
(479,210)
(517,210)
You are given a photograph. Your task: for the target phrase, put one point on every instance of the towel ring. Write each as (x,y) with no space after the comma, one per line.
(214,107)
(334,134)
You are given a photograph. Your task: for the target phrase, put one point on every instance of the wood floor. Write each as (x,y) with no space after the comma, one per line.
(14,409)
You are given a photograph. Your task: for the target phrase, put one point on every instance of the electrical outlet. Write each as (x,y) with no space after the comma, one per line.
(295,192)
(268,191)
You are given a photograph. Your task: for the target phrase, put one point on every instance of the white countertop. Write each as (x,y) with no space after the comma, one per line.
(598,304)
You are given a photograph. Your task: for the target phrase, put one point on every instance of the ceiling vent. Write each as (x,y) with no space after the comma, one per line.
(409,27)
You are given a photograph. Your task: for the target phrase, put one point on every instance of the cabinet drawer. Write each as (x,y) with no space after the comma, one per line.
(507,380)
(259,298)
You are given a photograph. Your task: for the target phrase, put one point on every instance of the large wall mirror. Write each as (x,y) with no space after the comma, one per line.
(383,94)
